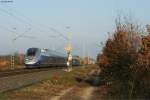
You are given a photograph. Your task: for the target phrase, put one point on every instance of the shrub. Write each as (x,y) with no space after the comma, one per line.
(125,62)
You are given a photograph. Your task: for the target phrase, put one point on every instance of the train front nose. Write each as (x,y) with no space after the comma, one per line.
(32,57)
(30,61)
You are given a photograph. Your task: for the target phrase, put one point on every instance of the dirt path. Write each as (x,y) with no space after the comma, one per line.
(76,93)
(64,92)
(87,93)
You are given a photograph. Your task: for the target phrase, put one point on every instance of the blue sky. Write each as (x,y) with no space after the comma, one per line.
(88,22)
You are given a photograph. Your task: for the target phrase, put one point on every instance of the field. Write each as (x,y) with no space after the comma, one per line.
(53,87)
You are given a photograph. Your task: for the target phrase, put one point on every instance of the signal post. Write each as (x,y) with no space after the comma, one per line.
(68,49)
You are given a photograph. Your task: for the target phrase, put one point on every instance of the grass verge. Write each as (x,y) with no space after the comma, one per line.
(48,88)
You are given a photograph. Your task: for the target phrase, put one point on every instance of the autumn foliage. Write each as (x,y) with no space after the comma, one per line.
(5,61)
(125,62)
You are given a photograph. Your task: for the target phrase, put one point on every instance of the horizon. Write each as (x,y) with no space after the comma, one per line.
(52,24)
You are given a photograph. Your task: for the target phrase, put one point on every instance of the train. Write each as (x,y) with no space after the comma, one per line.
(36,58)
(76,61)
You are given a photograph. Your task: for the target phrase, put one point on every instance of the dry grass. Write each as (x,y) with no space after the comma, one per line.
(49,88)
(4,64)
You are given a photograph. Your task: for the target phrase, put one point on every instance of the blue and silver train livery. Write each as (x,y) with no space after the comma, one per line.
(36,57)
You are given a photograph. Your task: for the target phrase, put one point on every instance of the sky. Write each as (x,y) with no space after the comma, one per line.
(47,23)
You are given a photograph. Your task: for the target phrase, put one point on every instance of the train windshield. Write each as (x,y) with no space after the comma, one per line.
(32,52)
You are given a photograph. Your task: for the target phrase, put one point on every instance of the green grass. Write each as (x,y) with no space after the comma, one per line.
(3,96)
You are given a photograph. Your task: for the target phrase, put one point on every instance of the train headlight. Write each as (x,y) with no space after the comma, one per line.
(68,64)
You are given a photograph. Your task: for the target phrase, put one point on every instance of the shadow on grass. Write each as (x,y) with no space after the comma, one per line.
(93,80)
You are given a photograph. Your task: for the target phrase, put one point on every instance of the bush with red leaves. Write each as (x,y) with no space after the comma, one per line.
(125,62)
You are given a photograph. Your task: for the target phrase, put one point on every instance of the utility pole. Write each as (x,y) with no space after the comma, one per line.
(13,44)
(12,57)
(12,61)
(83,53)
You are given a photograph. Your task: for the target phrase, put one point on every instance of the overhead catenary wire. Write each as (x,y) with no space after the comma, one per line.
(59,33)
(7,29)
(20,19)
(18,35)
(23,35)
(30,23)
(17,18)
(50,28)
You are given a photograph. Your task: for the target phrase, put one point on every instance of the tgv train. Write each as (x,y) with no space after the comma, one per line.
(36,57)
(76,61)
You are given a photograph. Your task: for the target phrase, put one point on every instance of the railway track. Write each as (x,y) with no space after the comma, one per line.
(14,79)
(23,71)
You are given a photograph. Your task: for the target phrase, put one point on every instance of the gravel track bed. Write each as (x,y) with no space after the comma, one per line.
(21,80)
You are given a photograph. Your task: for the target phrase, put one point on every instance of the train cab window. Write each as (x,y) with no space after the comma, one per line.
(32,52)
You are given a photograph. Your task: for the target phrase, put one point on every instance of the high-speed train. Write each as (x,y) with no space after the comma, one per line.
(36,57)
(76,61)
